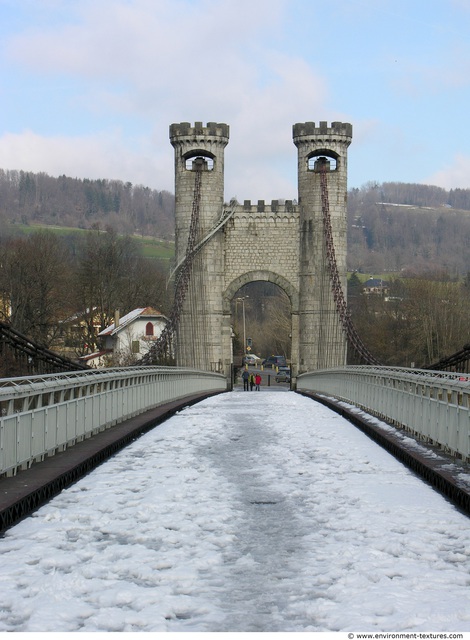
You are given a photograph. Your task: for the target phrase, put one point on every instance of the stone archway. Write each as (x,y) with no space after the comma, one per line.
(256,276)
(283,283)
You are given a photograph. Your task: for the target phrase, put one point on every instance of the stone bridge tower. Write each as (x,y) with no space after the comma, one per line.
(322,343)
(199,174)
(289,241)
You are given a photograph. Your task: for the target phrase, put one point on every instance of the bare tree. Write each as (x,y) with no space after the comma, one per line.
(33,279)
(421,320)
(112,275)
(437,316)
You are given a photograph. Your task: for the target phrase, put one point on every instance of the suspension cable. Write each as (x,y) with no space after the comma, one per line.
(341,305)
(32,356)
(163,347)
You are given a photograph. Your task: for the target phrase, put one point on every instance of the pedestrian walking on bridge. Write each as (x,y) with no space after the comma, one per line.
(245,377)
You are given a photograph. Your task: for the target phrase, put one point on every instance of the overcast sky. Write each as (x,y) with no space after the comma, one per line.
(89,87)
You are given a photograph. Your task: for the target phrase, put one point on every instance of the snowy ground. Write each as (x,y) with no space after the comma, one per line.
(247,512)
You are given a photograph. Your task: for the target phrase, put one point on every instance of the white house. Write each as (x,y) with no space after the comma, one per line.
(129,338)
(375,286)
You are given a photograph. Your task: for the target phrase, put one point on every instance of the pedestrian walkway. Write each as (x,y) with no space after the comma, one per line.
(245,512)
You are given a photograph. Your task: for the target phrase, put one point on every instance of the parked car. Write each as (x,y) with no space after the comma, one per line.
(283,376)
(250,358)
(274,361)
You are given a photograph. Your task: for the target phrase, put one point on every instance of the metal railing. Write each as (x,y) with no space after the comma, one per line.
(433,405)
(41,415)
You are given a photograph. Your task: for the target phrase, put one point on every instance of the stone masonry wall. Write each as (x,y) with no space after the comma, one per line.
(263,238)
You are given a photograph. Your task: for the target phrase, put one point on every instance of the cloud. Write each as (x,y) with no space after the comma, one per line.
(454,176)
(163,61)
(451,71)
(98,156)
(149,43)
(461,4)
(100,81)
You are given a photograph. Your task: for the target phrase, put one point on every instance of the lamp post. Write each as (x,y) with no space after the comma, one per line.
(242,300)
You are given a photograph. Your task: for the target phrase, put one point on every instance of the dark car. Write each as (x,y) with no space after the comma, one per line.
(283,376)
(274,361)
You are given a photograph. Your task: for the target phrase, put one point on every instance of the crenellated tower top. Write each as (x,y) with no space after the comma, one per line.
(321,146)
(303,131)
(199,148)
(184,131)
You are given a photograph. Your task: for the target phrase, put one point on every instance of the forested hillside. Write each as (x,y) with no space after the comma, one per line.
(416,233)
(395,227)
(30,198)
(409,228)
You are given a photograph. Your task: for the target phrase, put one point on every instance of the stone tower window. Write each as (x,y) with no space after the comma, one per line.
(197,161)
(149,329)
(323,158)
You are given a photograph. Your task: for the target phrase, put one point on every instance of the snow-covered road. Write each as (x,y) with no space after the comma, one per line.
(246,512)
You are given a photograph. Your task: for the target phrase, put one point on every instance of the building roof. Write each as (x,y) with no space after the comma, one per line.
(96,354)
(375,282)
(148,312)
(78,315)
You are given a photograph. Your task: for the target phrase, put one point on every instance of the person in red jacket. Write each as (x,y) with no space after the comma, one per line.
(257,381)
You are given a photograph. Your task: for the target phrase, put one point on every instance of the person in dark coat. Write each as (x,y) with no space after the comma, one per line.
(245,377)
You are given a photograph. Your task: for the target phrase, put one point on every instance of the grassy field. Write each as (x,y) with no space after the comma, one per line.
(159,249)
(363,277)
(151,247)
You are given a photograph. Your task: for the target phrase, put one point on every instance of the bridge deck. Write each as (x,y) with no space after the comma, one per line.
(448,475)
(25,492)
(29,489)
(245,512)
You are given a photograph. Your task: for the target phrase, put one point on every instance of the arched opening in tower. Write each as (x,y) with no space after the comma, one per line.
(322,160)
(261,314)
(199,161)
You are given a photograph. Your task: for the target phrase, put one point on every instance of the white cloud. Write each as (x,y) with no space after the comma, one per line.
(101,156)
(454,176)
(104,79)
(159,62)
(150,43)
(461,4)
(451,71)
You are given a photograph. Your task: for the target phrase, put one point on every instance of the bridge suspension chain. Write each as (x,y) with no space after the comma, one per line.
(459,361)
(341,305)
(224,218)
(162,350)
(23,353)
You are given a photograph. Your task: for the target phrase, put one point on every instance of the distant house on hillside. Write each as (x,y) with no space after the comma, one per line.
(76,331)
(128,339)
(375,286)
